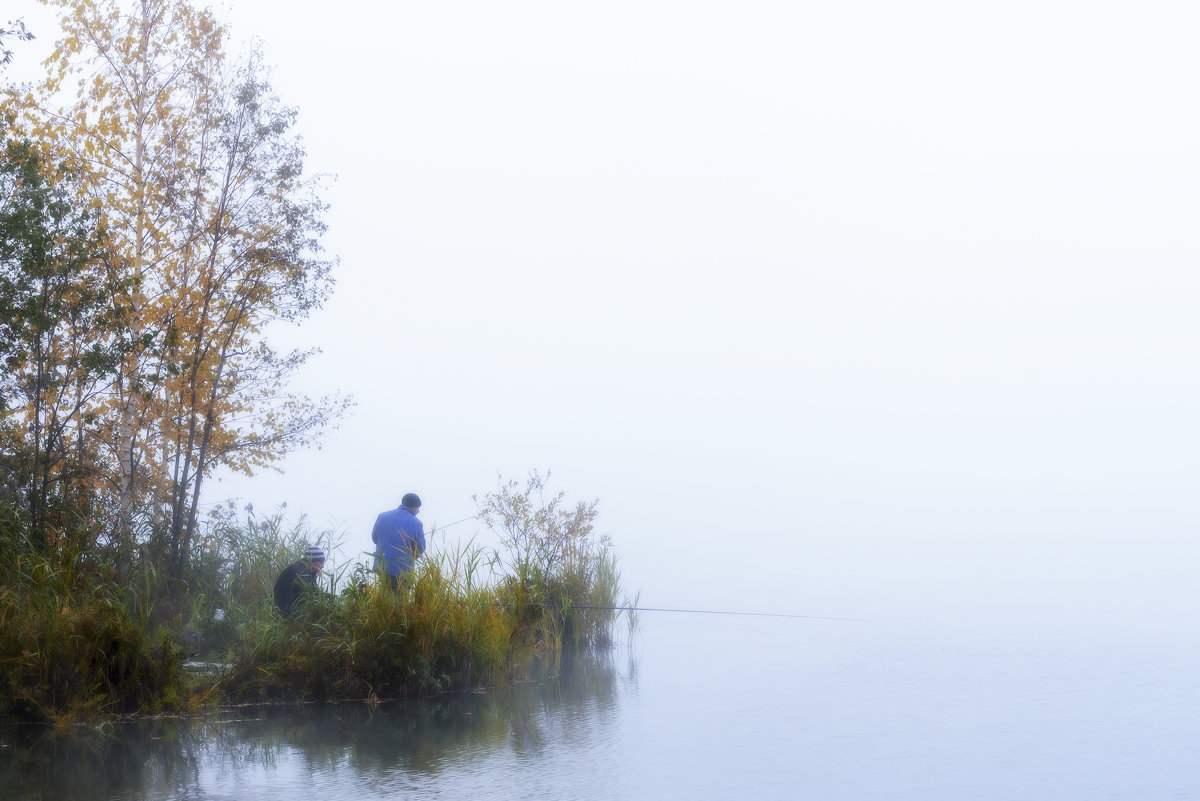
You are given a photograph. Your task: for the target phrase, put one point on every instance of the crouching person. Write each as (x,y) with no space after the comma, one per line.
(297,582)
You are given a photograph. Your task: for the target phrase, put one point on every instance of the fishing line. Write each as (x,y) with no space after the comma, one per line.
(681,611)
(711,612)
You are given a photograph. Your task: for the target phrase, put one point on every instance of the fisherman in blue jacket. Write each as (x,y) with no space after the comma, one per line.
(399,539)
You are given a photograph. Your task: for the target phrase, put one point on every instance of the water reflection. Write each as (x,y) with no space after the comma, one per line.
(272,752)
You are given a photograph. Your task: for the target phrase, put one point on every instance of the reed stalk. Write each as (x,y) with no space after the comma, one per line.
(80,640)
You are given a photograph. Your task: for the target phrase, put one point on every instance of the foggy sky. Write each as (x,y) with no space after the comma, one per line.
(858,309)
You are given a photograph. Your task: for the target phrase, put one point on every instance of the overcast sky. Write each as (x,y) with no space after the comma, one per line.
(857,308)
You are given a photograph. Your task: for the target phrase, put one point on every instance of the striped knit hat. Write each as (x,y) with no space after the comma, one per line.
(314,554)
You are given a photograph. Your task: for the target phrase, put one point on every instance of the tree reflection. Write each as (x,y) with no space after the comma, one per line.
(412,742)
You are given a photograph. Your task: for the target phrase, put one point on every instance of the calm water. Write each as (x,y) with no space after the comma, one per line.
(703,708)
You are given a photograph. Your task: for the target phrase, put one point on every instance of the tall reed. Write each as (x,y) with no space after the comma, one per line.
(440,631)
(75,645)
(77,639)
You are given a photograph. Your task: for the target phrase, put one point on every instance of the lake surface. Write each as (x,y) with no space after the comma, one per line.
(702,707)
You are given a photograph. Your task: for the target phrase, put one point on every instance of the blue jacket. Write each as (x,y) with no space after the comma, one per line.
(399,538)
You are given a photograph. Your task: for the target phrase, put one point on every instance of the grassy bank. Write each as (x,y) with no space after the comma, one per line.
(444,631)
(80,639)
(75,645)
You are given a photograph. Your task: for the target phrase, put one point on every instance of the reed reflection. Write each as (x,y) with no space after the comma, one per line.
(262,749)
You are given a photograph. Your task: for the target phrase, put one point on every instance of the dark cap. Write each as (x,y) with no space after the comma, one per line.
(411,500)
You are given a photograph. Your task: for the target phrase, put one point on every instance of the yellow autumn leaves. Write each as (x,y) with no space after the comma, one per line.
(190,164)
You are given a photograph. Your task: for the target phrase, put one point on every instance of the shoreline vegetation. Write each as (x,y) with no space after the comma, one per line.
(157,219)
(79,642)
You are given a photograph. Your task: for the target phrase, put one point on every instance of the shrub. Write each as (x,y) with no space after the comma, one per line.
(73,645)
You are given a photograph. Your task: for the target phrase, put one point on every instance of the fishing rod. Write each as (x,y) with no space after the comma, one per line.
(455,523)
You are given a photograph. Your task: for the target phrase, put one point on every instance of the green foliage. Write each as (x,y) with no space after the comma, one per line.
(561,579)
(232,572)
(74,644)
(78,639)
(453,624)
(368,642)
(58,341)
(150,230)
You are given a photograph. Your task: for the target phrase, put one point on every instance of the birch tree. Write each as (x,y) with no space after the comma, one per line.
(139,79)
(198,177)
(250,259)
